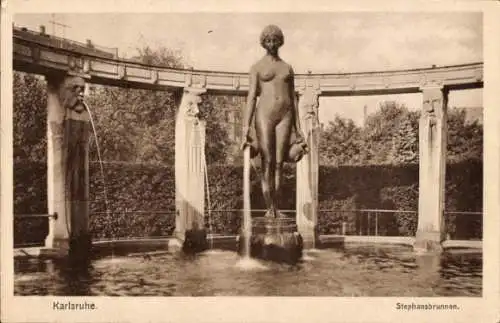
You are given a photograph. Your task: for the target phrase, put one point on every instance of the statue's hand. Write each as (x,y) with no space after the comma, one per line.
(249,142)
(246,141)
(244,144)
(305,147)
(300,138)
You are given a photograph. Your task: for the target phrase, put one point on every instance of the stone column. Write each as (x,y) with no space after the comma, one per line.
(432,168)
(308,167)
(190,172)
(68,134)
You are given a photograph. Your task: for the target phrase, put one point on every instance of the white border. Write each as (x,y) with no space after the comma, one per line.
(255,309)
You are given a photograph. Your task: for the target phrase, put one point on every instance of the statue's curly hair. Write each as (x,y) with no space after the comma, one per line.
(271,30)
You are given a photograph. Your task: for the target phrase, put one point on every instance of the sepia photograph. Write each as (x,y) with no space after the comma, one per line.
(199,154)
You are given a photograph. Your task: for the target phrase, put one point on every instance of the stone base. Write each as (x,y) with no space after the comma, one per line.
(311,243)
(428,242)
(80,249)
(310,237)
(195,241)
(62,244)
(77,250)
(174,244)
(274,239)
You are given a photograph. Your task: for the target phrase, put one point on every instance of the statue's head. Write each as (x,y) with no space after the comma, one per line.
(71,93)
(272,38)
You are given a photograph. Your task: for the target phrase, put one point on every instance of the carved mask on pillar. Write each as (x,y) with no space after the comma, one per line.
(308,104)
(71,93)
(192,105)
(433,105)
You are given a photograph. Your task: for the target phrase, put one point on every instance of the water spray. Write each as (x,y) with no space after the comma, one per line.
(208,202)
(246,262)
(100,159)
(247,220)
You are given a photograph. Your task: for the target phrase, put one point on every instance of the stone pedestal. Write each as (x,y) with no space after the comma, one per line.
(432,168)
(275,239)
(68,134)
(190,173)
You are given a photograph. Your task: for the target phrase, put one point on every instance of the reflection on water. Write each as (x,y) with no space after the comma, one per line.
(363,271)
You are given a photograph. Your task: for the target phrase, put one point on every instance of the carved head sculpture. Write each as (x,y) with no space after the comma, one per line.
(272,38)
(71,93)
(432,106)
(308,104)
(190,104)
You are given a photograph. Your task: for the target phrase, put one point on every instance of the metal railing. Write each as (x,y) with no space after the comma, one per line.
(31,216)
(67,44)
(459,225)
(463,225)
(375,222)
(366,222)
(31,233)
(128,224)
(229,221)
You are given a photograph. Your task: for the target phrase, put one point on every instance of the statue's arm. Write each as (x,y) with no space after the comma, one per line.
(251,100)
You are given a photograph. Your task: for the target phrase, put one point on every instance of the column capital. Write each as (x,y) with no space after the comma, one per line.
(195,80)
(236,82)
(79,67)
(309,90)
(426,84)
(194,90)
(306,83)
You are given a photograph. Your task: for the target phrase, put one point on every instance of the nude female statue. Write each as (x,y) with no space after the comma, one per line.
(278,137)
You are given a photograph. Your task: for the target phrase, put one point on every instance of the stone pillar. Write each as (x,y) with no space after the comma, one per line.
(432,168)
(68,134)
(308,167)
(190,172)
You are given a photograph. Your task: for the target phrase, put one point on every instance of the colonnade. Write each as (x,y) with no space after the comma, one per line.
(68,133)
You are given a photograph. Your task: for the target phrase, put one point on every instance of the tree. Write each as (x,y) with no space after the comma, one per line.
(340,143)
(390,136)
(132,125)
(162,56)
(405,141)
(157,144)
(136,125)
(129,121)
(29,117)
(223,135)
(379,131)
(139,125)
(465,139)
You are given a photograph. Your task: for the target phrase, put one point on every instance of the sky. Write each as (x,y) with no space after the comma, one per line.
(328,42)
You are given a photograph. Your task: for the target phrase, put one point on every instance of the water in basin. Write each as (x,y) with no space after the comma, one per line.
(355,271)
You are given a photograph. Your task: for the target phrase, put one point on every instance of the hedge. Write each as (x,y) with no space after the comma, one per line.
(141,197)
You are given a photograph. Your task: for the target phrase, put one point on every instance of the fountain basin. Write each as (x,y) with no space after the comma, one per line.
(275,239)
(350,270)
